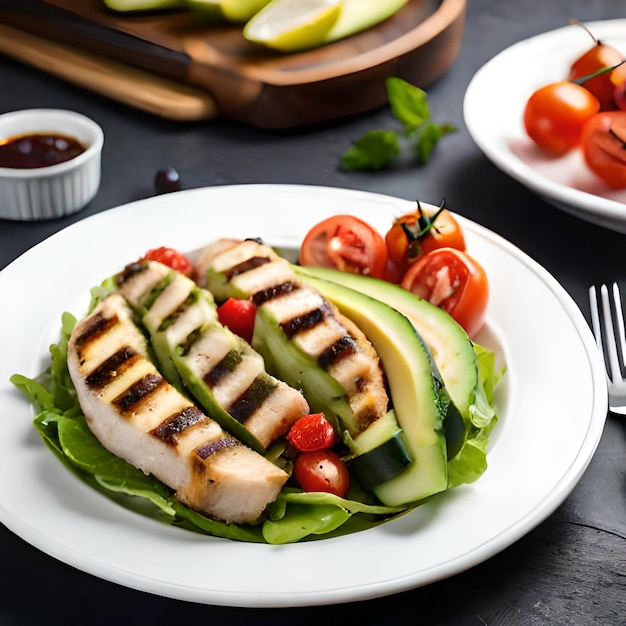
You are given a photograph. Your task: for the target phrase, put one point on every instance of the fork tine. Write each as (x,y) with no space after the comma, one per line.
(619,316)
(595,317)
(605,331)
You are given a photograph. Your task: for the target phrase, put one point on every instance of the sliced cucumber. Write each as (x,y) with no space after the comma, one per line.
(382,452)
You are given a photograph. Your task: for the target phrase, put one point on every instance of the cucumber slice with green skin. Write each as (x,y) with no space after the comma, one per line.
(177,314)
(451,348)
(381,452)
(419,400)
(184,364)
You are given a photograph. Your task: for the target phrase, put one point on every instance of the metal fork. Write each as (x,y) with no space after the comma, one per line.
(607,320)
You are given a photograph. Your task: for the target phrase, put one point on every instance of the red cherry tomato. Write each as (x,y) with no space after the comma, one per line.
(619,96)
(322,470)
(421,231)
(311,432)
(601,86)
(346,243)
(556,113)
(603,146)
(453,281)
(170,257)
(239,316)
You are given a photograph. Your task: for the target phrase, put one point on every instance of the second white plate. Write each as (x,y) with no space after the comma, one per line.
(493,109)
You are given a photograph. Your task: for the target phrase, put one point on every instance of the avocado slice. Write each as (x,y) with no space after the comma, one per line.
(451,348)
(419,399)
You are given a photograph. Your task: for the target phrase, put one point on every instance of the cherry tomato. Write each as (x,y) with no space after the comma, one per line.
(556,113)
(601,86)
(346,243)
(421,231)
(393,273)
(311,432)
(619,96)
(322,470)
(618,75)
(239,316)
(170,257)
(453,281)
(603,146)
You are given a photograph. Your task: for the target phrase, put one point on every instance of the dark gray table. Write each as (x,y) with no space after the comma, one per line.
(569,570)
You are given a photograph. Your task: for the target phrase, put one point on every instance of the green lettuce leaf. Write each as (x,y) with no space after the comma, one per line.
(471,462)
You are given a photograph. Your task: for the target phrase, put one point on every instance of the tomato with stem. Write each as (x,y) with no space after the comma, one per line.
(599,56)
(603,146)
(619,96)
(453,281)
(421,231)
(346,243)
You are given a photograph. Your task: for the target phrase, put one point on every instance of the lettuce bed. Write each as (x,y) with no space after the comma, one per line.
(294,516)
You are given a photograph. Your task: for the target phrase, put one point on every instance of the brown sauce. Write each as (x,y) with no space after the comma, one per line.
(38,150)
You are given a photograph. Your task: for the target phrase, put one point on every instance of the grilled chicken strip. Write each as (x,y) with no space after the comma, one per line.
(221,369)
(306,320)
(137,415)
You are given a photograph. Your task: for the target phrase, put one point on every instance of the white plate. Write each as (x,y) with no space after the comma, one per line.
(493,110)
(545,439)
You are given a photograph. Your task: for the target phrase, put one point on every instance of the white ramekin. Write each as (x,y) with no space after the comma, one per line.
(57,190)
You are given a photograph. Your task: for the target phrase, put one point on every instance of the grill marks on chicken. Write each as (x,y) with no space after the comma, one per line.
(137,415)
(307,319)
(232,374)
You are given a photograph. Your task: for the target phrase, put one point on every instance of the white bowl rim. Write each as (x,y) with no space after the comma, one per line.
(94,146)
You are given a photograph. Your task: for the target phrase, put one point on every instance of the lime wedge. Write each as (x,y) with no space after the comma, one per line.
(237,11)
(290,25)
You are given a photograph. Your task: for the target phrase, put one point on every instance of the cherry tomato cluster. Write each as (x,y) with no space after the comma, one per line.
(585,111)
(317,467)
(423,251)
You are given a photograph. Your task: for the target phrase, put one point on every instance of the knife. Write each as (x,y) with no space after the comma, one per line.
(66,26)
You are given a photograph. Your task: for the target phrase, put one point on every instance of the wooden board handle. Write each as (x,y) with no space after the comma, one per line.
(125,84)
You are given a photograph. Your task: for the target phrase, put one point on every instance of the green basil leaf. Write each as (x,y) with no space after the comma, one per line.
(426,137)
(408,103)
(373,151)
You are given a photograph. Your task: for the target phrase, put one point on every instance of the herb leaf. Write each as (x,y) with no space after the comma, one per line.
(425,138)
(372,151)
(408,103)
(377,149)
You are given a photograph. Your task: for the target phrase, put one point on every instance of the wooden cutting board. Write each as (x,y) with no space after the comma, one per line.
(176,65)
